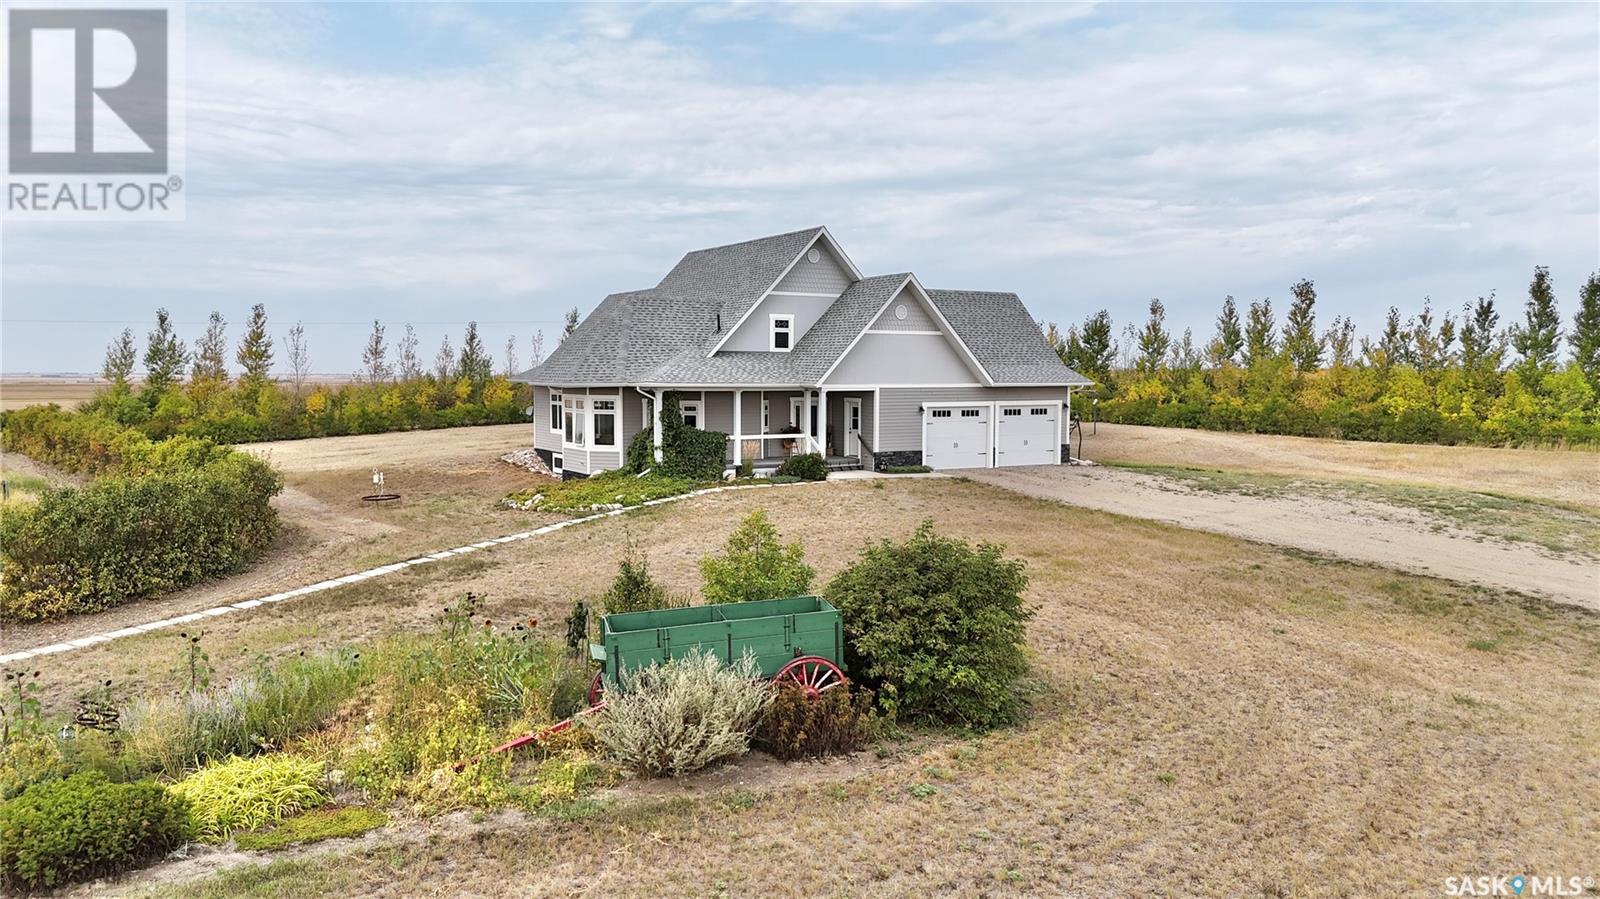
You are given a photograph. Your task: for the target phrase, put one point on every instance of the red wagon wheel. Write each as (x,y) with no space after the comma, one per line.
(812,673)
(597,689)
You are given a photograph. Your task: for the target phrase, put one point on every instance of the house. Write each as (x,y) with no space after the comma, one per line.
(784,345)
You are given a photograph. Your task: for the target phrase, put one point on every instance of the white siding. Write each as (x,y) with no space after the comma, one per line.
(901,415)
(826,275)
(903,359)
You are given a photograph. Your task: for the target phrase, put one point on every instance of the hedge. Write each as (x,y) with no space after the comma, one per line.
(161,516)
(63,831)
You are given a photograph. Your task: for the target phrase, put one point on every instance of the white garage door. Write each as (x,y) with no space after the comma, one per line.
(1026,435)
(955,437)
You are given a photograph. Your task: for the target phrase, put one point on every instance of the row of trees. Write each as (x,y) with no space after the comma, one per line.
(1437,376)
(191,390)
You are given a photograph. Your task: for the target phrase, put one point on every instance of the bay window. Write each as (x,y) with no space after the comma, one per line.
(605,422)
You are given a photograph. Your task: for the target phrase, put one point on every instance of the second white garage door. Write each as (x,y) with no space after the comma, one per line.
(1027,435)
(956,436)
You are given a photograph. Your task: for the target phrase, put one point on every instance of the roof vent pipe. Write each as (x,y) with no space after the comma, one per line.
(719,323)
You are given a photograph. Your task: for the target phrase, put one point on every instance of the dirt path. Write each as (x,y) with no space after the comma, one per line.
(1571,476)
(1376,533)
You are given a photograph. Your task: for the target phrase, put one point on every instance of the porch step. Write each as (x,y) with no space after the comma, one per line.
(844,465)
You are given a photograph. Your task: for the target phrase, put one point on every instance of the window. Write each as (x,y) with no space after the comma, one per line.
(691,413)
(766,416)
(941,413)
(575,431)
(1012,411)
(782,333)
(555,464)
(1039,410)
(605,422)
(555,411)
(970,413)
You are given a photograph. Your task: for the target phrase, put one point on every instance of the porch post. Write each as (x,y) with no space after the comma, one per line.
(822,423)
(655,426)
(738,427)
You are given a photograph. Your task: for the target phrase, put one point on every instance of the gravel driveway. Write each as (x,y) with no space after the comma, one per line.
(1372,532)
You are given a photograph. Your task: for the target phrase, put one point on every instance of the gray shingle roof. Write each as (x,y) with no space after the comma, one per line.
(1008,343)
(663,335)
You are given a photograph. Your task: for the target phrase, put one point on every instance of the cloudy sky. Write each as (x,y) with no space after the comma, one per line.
(434,164)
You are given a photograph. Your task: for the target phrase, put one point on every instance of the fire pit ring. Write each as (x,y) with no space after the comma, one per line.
(381,498)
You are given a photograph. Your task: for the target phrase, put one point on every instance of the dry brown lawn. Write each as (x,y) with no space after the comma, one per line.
(1212,718)
(1571,476)
(450,483)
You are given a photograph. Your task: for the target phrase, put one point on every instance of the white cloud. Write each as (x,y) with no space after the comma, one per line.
(557,167)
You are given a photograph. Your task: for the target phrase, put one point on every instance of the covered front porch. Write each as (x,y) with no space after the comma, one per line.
(766,426)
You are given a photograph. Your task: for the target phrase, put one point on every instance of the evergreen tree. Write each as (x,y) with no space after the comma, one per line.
(164,355)
(1154,340)
(1585,336)
(1538,337)
(1096,349)
(1260,338)
(1483,346)
(571,323)
(1340,340)
(1301,344)
(211,353)
(1432,349)
(375,358)
(475,363)
(255,350)
(410,365)
(1229,342)
(121,357)
(1394,344)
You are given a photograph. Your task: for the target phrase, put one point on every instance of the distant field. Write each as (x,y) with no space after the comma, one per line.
(66,392)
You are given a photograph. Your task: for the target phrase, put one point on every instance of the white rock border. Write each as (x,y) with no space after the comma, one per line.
(380,571)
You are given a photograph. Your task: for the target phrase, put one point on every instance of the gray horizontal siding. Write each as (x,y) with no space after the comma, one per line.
(901,416)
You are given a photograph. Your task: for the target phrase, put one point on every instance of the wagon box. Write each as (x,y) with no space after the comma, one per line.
(777,632)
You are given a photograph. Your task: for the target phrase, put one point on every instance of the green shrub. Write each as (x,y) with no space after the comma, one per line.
(258,711)
(640,456)
(798,725)
(805,466)
(754,565)
(325,823)
(243,794)
(937,626)
(634,590)
(159,517)
(607,490)
(679,717)
(85,826)
(907,469)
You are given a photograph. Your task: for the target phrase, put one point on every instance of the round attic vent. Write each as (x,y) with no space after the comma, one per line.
(814,256)
(900,312)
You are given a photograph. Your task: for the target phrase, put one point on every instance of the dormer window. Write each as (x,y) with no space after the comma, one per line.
(782,333)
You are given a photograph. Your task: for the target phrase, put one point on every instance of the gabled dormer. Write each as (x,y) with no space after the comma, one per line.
(797,298)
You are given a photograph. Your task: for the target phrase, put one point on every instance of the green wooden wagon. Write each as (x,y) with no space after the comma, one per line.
(795,640)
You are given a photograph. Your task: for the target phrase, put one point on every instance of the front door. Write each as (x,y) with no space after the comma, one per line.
(852,427)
